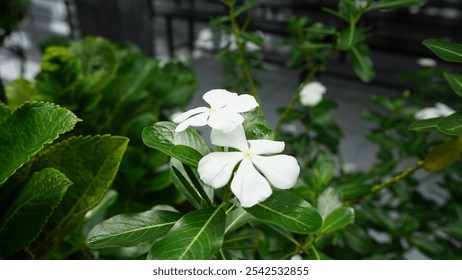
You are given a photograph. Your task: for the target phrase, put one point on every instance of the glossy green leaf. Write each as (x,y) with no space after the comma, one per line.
(98,62)
(288,211)
(198,235)
(128,230)
(455,81)
(323,171)
(26,130)
(184,184)
(350,37)
(91,163)
(451,125)
(186,155)
(237,218)
(392,4)
(454,230)
(424,125)
(329,200)
(18,92)
(362,63)
(108,200)
(451,52)
(338,219)
(443,155)
(162,136)
(28,213)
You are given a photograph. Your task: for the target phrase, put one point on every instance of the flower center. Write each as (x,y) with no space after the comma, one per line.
(211,110)
(248,154)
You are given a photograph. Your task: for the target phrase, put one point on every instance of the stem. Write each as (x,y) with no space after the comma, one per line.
(227,196)
(245,68)
(398,177)
(320,67)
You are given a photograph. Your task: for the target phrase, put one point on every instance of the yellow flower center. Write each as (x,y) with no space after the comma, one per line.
(211,110)
(248,154)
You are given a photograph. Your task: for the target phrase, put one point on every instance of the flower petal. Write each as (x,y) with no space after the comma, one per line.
(197,120)
(235,138)
(225,121)
(182,117)
(281,170)
(249,186)
(263,147)
(215,169)
(218,98)
(243,103)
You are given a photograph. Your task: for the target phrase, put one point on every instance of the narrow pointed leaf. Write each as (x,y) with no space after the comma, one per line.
(450,52)
(362,63)
(288,211)
(26,130)
(196,236)
(455,81)
(237,218)
(392,4)
(27,215)
(91,163)
(338,219)
(186,155)
(128,230)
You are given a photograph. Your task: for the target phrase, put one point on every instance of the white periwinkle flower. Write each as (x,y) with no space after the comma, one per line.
(312,93)
(258,166)
(223,114)
(440,110)
(426,62)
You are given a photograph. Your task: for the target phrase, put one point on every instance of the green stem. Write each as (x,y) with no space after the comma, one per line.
(398,177)
(245,68)
(320,67)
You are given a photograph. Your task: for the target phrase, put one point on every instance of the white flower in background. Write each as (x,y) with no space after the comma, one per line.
(312,93)
(205,39)
(426,62)
(223,114)
(296,258)
(231,40)
(440,110)
(258,166)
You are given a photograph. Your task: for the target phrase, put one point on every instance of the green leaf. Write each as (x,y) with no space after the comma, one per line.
(237,218)
(392,4)
(28,213)
(338,219)
(362,63)
(248,4)
(186,155)
(98,62)
(323,171)
(198,235)
(454,230)
(451,125)
(4,111)
(328,201)
(128,230)
(26,130)
(18,92)
(108,200)
(350,37)
(288,211)
(162,136)
(455,81)
(91,163)
(424,125)
(451,52)
(348,10)
(443,155)
(314,254)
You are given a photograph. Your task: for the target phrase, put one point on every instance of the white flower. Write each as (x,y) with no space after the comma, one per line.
(426,62)
(223,113)
(440,110)
(205,39)
(258,166)
(312,93)
(296,258)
